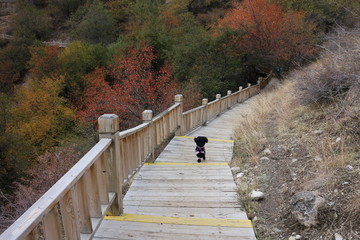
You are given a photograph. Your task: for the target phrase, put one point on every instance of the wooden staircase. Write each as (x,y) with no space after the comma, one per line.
(178,198)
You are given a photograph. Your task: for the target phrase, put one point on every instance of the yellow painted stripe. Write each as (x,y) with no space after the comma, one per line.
(182,221)
(189,164)
(210,139)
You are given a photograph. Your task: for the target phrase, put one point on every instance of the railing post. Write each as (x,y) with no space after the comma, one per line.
(147,116)
(205,103)
(228,99)
(179,99)
(260,82)
(239,95)
(109,128)
(218,98)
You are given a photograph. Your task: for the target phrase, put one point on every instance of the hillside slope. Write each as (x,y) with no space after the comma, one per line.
(303,139)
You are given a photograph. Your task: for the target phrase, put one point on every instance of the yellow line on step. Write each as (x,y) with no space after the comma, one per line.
(210,139)
(182,221)
(189,164)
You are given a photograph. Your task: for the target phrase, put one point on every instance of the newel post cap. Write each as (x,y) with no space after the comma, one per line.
(179,98)
(147,115)
(205,101)
(218,96)
(108,123)
(240,88)
(229,92)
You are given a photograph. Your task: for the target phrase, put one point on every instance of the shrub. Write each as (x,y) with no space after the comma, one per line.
(50,168)
(93,24)
(31,24)
(337,75)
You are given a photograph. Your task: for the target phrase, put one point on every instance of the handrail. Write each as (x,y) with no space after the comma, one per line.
(74,207)
(46,209)
(133,130)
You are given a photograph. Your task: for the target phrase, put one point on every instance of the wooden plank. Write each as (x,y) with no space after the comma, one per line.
(184,204)
(185,164)
(92,192)
(180,198)
(128,230)
(183,188)
(182,221)
(210,139)
(84,214)
(69,214)
(219,183)
(225,213)
(102,183)
(52,225)
(182,177)
(177,193)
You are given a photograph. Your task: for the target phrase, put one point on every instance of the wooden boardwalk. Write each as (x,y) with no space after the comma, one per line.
(178,198)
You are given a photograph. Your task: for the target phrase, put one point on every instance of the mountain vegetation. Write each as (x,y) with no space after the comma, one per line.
(125,56)
(302,136)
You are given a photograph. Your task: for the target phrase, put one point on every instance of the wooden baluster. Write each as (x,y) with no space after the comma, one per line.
(123,157)
(179,99)
(109,128)
(218,97)
(140,148)
(82,202)
(147,116)
(70,215)
(131,154)
(92,192)
(52,225)
(103,185)
(205,109)
(34,234)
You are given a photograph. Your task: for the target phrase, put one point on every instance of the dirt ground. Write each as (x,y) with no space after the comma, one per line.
(299,160)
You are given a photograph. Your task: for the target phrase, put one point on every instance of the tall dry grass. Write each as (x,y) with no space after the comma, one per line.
(250,132)
(316,112)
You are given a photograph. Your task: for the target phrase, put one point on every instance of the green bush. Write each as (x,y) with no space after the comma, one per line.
(336,77)
(327,13)
(31,24)
(93,24)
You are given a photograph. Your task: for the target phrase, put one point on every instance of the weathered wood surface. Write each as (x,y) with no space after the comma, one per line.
(177,186)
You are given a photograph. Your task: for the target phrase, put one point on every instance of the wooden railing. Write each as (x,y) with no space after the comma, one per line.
(74,207)
(59,43)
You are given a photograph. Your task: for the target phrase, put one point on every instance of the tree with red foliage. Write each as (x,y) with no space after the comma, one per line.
(99,98)
(137,85)
(49,168)
(268,32)
(140,84)
(44,61)
(8,76)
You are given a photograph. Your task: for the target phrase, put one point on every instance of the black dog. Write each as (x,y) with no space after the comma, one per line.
(200,147)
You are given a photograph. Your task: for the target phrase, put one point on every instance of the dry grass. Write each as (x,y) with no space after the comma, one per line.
(313,132)
(250,133)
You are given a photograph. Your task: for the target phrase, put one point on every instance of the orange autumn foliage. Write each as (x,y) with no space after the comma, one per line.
(99,98)
(140,83)
(41,114)
(269,32)
(137,85)
(44,61)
